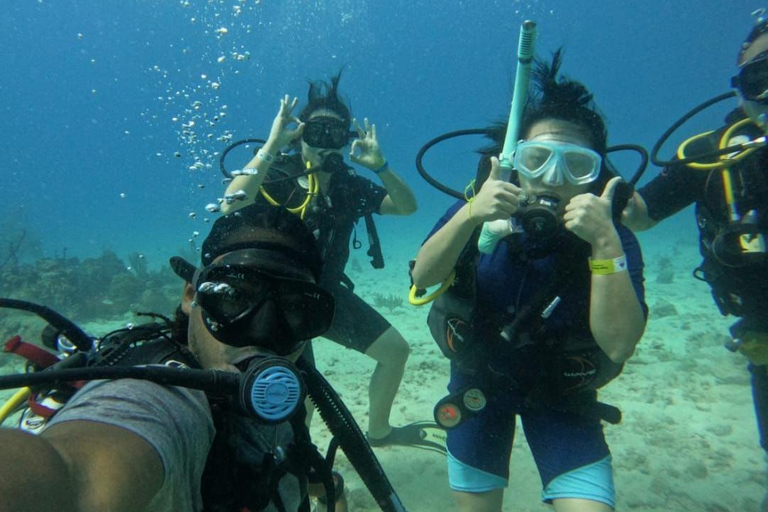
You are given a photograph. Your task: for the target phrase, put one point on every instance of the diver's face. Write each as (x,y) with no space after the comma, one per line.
(314,155)
(210,352)
(757,111)
(556,130)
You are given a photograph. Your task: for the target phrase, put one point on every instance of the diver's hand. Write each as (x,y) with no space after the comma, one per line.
(497,199)
(365,149)
(590,217)
(635,214)
(281,135)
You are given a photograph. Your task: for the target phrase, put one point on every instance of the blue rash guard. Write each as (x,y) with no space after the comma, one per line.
(570,451)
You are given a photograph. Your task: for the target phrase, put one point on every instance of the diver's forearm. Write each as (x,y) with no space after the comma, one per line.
(249,183)
(438,256)
(403,198)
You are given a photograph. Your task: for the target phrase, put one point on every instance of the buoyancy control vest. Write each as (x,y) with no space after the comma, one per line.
(567,365)
(736,276)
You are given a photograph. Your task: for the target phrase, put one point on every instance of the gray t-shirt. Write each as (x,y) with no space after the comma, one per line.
(177,423)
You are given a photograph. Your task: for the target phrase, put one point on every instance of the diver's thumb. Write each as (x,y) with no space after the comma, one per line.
(610,188)
(495,173)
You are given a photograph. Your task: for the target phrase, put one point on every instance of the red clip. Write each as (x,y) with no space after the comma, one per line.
(12,344)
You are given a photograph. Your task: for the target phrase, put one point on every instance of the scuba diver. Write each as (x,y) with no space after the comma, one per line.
(725,173)
(315,183)
(130,444)
(535,324)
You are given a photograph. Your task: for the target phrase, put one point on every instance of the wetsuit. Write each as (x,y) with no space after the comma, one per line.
(740,290)
(333,218)
(569,447)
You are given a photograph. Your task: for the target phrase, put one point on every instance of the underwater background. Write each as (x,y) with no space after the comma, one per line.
(114,114)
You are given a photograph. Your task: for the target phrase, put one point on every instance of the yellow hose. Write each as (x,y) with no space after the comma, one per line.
(13,403)
(420,301)
(301,209)
(725,161)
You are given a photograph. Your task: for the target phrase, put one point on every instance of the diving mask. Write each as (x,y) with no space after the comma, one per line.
(243,306)
(326,132)
(557,162)
(752,80)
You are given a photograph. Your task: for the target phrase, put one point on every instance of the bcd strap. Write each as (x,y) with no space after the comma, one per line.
(374,245)
(39,357)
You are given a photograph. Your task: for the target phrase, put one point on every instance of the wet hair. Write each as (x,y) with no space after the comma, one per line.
(180,326)
(324,95)
(261,226)
(560,98)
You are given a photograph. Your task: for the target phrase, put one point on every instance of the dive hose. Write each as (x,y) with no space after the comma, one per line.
(697,159)
(343,427)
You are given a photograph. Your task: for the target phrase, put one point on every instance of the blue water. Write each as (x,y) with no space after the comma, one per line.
(90,89)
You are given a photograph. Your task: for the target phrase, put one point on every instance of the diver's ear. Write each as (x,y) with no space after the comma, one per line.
(187,297)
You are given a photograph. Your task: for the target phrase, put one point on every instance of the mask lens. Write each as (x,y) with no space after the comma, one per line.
(532,158)
(228,295)
(753,79)
(307,309)
(580,165)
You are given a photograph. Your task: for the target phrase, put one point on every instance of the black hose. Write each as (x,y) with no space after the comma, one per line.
(323,470)
(488,132)
(640,150)
(287,175)
(672,129)
(229,148)
(426,147)
(205,380)
(75,334)
(351,439)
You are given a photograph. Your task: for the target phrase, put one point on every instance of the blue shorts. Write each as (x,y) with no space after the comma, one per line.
(570,451)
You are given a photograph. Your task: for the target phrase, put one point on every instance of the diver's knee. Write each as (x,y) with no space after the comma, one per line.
(390,347)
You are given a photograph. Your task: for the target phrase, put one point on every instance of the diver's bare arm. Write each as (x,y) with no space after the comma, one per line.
(279,136)
(78,466)
(615,315)
(249,183)
(400,199)
(439,254)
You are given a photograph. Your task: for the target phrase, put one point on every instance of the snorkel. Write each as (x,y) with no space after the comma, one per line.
(525,50)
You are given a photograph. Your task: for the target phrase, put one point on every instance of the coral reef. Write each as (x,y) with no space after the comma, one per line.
(389,301)
(92,289)
(138,265)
